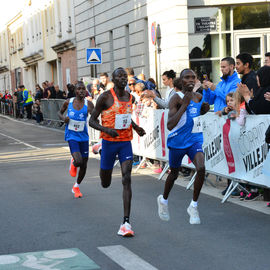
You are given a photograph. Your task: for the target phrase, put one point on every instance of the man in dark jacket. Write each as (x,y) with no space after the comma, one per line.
(258,104)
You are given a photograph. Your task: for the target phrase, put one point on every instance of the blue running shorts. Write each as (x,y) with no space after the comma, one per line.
(109,150)
(82,147)
(176,155)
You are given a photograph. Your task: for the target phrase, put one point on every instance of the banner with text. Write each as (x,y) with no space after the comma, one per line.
(231,150)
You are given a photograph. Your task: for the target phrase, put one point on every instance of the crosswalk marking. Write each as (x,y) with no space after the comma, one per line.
(125,258)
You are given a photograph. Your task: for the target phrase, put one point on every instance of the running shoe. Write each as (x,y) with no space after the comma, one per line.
(72,168)
(163,209)
(268,204)
(252,196)
(125,230)
(194,215)
(158,170)
(242,195)
(77,192)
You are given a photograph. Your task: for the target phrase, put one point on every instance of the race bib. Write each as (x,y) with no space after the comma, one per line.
(76,125)
(197,127)
(122,121)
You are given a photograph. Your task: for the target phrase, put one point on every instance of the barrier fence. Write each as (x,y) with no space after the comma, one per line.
(231,151)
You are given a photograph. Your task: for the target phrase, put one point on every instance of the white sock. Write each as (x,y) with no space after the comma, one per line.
(76,185)
(194,204)
(164,201)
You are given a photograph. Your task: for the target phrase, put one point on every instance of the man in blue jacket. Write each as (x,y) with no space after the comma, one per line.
(216,94)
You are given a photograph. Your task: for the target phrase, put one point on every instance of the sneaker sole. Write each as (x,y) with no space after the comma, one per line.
(76,196)
(127,234)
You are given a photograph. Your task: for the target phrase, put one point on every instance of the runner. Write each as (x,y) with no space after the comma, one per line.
(115,107)
(183,107)
(76,133)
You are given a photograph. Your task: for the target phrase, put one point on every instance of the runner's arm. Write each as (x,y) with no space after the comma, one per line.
(94,122)
(177,107)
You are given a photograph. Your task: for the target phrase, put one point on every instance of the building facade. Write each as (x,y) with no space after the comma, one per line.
(5,80)
(49,37)
(194,33)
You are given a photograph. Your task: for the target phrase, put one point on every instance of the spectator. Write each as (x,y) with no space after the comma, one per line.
(51,90)
(104,81)
(258,104)
(167,78)
(19,103)
(243,66)
(94,89)
(71,90)
(38,116)
(27,101)
(147,84)
(216,94)
(39,92)
(267,59)
(59,94)
(46,90)
(132,84)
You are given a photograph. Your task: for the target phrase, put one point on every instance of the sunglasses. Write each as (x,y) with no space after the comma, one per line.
(131,84)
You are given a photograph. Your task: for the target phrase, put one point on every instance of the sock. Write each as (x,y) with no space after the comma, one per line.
(194,204)
(126,219)
(164,201)
(76,185)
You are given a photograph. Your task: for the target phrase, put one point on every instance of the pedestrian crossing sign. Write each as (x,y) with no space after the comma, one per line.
(93,56)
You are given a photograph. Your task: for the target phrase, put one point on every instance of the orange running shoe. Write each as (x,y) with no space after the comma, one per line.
(125,230)
(72,168)
(76,191)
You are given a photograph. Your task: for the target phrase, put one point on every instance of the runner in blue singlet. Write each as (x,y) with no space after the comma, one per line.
(76,133)
(183,107)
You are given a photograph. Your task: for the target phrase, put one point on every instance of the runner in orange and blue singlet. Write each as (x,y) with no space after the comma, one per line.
(115,108)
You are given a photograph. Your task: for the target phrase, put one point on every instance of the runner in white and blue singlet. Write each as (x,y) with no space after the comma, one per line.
(183,107)
(76,133)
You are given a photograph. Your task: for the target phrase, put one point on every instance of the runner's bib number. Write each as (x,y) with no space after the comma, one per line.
(122,121)
(76,125)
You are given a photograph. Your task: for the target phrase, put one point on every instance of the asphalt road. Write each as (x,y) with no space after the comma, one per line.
(38,213)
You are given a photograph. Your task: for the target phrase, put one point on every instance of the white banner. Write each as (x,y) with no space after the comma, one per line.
(231,150)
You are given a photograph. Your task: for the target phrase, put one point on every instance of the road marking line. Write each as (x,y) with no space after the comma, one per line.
(29,145)
(125,258)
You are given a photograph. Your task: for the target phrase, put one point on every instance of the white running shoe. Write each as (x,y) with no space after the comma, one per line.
(125,230)
(163,210)
(194,215)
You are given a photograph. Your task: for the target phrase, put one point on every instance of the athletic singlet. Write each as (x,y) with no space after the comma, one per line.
(76,129)
(118,116)
(181,136)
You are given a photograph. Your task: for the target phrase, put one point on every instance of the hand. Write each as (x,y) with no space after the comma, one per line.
(187,98)
(204,108)
(219,113)
(244,91)
(227,109)
(66,120)
(148,94)
(267,96)
(140,131)
(112,132)
(208,84)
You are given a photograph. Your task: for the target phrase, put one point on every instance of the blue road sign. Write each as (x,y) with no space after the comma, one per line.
(93,56)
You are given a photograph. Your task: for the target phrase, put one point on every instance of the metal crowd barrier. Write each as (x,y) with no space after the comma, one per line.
(50,109)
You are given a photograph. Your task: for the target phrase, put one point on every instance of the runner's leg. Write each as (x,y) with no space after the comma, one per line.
(200,168)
